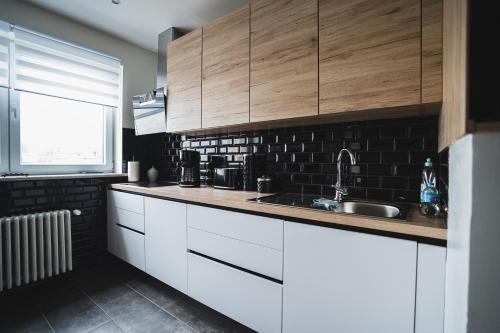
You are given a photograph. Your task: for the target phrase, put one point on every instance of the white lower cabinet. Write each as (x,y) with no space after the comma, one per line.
(166,249)
(431,271)
(343,281)
(129,246)
(249,299)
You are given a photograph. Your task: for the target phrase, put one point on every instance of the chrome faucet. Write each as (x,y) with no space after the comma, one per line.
(339,190)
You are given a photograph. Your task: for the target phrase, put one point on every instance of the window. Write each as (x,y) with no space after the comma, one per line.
(59,106)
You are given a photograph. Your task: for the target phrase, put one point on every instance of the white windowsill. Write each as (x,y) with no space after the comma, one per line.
(62,176)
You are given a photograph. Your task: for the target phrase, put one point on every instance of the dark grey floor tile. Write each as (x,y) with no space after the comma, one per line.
(22,318)
(103,287)
(74,312)
(134,313)
(109,327)
(193,313)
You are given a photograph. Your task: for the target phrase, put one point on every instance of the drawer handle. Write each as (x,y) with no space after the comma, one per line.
(262,276)
(124,227)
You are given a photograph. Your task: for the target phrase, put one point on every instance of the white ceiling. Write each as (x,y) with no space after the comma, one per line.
(140,21)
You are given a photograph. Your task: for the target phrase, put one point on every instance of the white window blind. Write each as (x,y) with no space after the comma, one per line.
(52,67)
(4,53)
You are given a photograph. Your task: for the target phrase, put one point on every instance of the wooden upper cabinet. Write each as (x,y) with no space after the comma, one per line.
(226,53)
(184,82)
(369,54)
(284,59)
(432,51)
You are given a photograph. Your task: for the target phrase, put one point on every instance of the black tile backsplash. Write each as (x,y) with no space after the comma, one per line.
(86,194)
(390,155)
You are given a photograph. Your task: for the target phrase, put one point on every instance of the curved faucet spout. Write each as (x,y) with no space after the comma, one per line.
(339,190)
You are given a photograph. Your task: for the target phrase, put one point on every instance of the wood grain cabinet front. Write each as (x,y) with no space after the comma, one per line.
(283,59)
(226,52)
(432,51)
(184,82)
(369,54)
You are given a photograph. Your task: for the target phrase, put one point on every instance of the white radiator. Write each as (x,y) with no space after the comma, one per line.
(34,247)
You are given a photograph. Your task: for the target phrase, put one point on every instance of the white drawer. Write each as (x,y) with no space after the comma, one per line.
(127,218)
(129,246)
(127,201)
(248,299)
(256,258)
(254,229)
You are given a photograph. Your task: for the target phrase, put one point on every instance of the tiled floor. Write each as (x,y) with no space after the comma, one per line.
(115,298)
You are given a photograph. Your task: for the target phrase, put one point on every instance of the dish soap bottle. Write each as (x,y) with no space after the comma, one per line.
(429,195)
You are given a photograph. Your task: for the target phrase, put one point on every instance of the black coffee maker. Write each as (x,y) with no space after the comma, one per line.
(189,168)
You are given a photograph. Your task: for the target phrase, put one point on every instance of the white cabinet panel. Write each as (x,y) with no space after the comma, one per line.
(431,271)
(248,299)
(127,219)
(250,228)
(342,281)
(256,258)
(127,201)
(129,246)
(166,249)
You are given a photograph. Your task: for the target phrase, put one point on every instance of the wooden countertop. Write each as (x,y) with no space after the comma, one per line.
(416,225)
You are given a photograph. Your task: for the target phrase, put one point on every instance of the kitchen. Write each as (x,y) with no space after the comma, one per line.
(237,166)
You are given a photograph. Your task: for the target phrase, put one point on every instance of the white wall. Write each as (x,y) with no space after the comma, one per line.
(473,261)
(139,64)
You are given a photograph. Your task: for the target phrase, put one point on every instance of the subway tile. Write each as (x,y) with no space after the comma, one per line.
(370,181)
(303,137)
(275,148)
(311,147)
(322,179)
(368,157)
(379,194)
(379,169)
(284,138)
(310,168)
(233,150)
(239,141)
(270,138)
(300,178)
(394,182)
(226,142)
(399,131)
(322,136)
(253,140)
(322,157)
(381,145)
(302,157)
(412,144)
(195,144)
(398,157)
(293,147)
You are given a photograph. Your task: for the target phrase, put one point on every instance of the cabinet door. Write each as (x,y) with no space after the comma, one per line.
(432,51)
(343,281)
(284,59)
(166,249)
(129,246)
(369,53)
(226,53)
(431,271)
(184,82)
(244,297)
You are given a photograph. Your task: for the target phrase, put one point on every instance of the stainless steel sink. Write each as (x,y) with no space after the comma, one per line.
(309,201)
(367,208)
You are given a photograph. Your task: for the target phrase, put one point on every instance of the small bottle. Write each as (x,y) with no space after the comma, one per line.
(429,195)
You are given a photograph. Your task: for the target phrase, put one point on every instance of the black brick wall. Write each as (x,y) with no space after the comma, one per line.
(390,155)
(85,194)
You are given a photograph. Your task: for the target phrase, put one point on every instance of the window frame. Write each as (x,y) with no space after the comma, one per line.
(4,130)
(15,138)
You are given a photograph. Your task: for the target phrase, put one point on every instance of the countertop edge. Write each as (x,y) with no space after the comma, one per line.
(377,226)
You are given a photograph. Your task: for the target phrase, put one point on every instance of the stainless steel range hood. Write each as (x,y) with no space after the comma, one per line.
(150,107)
